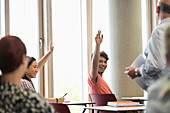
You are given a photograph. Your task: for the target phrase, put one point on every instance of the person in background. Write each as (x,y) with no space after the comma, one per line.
(13,98)
(97,84)
(155,62)
(33,68)
(159,92)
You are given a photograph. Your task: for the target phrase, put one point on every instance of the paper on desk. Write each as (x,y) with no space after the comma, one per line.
(137,63)
(122,103)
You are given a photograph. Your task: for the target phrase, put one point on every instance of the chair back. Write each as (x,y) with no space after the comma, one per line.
(61,108)
(102,99)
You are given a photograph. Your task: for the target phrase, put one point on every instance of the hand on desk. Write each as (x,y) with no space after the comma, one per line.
(59,100)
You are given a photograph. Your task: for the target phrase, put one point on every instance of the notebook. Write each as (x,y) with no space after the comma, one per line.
(123,103)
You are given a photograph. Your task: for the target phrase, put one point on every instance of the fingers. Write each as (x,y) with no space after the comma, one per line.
(126,72)
(98,34)
(51,46)
(102,36)
(99,31)
(130,72)
(51,43)
(127,68)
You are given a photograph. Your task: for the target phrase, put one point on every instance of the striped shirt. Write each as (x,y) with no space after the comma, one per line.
(25,84)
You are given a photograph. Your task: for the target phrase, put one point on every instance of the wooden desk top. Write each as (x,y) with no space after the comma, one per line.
(111,108)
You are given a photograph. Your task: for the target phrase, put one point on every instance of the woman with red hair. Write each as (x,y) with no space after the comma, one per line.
(13,62)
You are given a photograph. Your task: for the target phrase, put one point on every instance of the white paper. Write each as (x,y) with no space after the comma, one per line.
(137,63)
(135,98)
(122,103)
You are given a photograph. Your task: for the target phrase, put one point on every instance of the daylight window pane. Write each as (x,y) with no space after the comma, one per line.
(67,52)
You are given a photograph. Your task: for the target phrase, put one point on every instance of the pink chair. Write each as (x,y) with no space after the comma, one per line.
(102,99)
(61,108)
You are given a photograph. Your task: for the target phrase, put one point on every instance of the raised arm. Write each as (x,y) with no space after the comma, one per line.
(96,55)
(43,60)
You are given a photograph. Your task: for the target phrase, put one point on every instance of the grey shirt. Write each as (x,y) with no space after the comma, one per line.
(159,95)
(155,62)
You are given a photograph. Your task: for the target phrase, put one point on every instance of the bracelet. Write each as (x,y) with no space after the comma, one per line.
(136,72)
(56,99)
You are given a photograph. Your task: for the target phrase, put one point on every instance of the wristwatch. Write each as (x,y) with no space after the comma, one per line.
(136,73)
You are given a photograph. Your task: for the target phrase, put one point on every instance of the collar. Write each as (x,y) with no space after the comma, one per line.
(165,20)
(25,77)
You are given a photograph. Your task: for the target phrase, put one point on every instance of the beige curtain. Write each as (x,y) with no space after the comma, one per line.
(152,19)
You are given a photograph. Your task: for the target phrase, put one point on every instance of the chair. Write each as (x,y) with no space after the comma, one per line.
(102,99)
(61,108)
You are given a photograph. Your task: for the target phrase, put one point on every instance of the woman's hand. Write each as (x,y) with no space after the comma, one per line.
(51,46)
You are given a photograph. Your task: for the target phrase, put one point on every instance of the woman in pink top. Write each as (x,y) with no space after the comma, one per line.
(97,84)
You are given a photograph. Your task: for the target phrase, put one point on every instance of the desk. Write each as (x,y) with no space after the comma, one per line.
(78,103)
(116,109)
(84,103)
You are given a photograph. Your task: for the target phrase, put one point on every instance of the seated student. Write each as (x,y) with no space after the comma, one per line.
(159,92)
(33,67)
(97,84)
(31,72)
(13,63)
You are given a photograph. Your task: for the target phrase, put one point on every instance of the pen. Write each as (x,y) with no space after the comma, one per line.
(64,95)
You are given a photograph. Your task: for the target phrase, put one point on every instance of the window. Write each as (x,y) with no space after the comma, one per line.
(100,22)
(2,18)
(24,24)
(66,25)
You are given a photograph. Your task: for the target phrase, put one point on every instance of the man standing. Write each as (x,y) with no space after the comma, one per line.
(155,62)
(159,92)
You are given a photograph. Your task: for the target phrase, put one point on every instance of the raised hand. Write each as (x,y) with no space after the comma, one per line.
(51,46)
(99,37)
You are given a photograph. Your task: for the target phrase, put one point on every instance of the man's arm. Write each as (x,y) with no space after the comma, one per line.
(95,59)
(154,63)
(45,57)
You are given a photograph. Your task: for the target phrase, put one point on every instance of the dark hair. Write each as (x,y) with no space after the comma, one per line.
(102,54)
(164,7)
(12,50)
(30,61)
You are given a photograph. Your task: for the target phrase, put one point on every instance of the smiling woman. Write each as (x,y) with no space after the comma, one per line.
(31,71)
(34,66)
